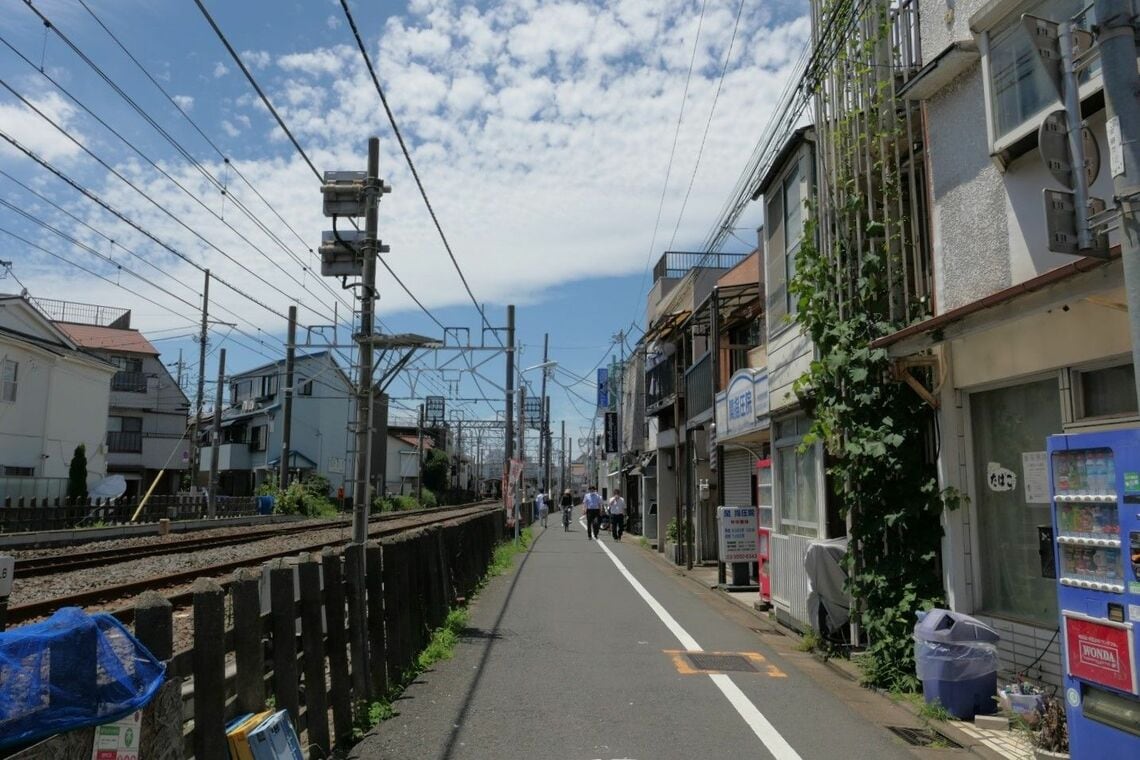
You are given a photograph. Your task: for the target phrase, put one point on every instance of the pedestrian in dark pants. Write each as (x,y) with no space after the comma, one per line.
(593,504)
(616,507)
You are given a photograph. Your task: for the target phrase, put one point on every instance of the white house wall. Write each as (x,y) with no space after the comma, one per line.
(77,413)
(789,358)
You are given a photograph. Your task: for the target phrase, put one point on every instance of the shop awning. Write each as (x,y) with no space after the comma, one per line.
(666,324)
(1084,277)
(296,459)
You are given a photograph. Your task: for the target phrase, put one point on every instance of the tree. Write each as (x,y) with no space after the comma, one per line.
(77,474)
(437,469)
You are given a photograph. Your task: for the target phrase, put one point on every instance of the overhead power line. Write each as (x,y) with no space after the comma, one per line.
(411,164)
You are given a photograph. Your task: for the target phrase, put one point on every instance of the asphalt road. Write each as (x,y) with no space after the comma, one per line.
(565,658)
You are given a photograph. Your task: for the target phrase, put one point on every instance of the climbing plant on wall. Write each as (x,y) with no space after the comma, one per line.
(850,286)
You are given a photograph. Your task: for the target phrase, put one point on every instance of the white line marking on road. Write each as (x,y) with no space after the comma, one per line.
(755,719)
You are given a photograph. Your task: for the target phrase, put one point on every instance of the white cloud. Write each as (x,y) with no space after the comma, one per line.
(220,70)
(185,102)
(541,132)
(333,22)
(257,59)
(29,129)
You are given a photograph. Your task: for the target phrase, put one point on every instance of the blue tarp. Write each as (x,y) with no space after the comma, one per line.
(70,671)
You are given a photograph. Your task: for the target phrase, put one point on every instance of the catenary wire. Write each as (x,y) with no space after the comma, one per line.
(411,164)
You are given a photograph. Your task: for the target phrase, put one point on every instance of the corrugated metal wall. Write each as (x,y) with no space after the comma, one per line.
(789,580)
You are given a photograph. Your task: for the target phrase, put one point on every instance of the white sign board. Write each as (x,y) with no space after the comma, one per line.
(7,569)
(118,740)
(1115,146)
(1035,476)
(736,533)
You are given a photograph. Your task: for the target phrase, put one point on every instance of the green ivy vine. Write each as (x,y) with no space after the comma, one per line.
(877,432)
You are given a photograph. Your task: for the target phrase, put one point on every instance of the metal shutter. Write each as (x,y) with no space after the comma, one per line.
(738,478)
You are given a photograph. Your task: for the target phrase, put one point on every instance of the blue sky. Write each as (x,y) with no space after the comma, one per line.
(541,130)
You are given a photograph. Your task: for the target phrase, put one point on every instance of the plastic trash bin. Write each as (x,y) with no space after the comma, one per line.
(956,659)
(265,505)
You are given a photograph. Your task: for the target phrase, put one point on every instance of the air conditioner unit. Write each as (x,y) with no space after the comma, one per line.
(248,405)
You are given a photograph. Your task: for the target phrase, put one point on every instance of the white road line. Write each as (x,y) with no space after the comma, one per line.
(755,719)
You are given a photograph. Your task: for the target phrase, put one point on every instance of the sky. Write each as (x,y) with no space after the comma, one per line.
(564,147)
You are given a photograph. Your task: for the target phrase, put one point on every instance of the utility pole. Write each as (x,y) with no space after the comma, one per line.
(369,247)
(420,454)
(216,438)
(509,442)
(287,425)
(620,400)
(542,408)
(682,523)
(179,366)
(521,457)
(1117,43)
(562,440)
(546,437)
(196,459)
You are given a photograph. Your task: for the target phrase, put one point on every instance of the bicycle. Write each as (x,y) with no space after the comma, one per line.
(566,518)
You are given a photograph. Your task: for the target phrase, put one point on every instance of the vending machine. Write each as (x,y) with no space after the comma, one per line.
(764,528)
(1095,483)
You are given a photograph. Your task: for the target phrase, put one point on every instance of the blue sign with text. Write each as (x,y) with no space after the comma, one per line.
(603,388)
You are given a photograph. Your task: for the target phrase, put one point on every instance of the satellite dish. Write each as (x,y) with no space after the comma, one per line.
(111,487)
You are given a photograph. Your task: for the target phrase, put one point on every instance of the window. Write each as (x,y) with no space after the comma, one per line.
(241,391)
(793,231)
(124,434)
(797,487)
(1006,424)
(9,372)
(305,388)
(19,472)
(259,438)
(127,363)
(234,434)
(268,385)
(1021,89)
(1108,392)
(742,338)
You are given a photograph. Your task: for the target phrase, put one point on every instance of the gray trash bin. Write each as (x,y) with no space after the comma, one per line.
(956,659)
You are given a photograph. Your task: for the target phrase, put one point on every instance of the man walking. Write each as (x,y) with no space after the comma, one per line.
(616,507)
(542,503)
(593,504)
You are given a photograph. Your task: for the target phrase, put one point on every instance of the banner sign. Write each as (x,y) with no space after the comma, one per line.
(611,433)
(511,477)
(1100,652)
(603,388)
(434,410)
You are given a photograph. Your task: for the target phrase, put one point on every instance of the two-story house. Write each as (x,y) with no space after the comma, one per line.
(53,397)
(146,421)
(253,425)
(1029,342)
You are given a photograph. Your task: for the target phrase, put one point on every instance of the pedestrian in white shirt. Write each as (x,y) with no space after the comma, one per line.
(592,501)
(616,507)
(541,502)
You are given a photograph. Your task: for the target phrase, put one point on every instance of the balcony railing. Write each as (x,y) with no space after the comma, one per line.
(659,383)
(130,382)
(677,263)
(124,442)
(698,387)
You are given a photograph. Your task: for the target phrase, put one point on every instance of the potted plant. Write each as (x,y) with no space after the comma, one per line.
(674,544)
(1051,739)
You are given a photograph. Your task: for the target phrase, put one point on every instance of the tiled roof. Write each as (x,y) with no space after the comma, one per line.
(95,338)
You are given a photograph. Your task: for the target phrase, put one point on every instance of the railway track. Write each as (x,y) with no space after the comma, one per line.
(388,525)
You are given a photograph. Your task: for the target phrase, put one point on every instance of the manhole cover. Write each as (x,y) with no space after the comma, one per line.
(720,662)
(924,737)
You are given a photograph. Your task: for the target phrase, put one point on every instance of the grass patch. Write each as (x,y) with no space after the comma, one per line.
(505,554)
(931,711)
(810,641)
(443,641)
(644,542)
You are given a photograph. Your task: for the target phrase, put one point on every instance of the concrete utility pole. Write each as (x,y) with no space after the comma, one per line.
(549,440)
(509,416)
(216,437)
(519,487)
(542,409)
(420,455)
(287,412)
(618,419)
(1117,42)
(196,445)
(369,247)
(678,464)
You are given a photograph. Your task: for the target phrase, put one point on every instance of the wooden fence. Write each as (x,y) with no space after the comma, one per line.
(305,633)
(21,515)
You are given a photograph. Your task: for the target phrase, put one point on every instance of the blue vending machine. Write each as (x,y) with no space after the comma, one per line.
(1095,482)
